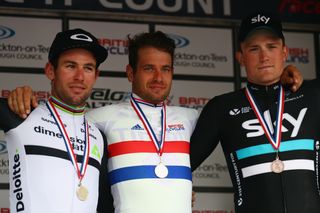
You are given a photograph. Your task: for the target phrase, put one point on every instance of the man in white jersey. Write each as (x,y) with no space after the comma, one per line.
(55,154)
(148,141)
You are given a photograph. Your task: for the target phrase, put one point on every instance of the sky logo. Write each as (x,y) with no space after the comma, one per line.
(179,40)
(3,147)
(6,32)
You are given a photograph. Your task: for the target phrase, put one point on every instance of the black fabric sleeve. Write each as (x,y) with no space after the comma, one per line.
(205,136)
(8,119)
(105,200)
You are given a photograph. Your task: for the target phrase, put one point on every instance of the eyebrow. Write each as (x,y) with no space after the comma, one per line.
(73,62)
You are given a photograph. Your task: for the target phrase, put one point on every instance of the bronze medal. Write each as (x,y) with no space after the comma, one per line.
(277,166)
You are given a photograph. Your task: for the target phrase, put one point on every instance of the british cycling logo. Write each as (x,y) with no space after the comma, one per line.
(234,112)
(3,147)
(179,40)
(6,32)
(242,110)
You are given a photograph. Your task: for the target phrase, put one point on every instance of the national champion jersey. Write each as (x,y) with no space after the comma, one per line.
(42,177)
(132,158)
(230,119)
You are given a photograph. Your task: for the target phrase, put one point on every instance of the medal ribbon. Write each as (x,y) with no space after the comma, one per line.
(274,139)
(158,144)
(80,172)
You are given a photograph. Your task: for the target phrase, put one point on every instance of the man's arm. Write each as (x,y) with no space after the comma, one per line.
(205,136)
(21,100)
(8,119)
(292,78)
(105,200)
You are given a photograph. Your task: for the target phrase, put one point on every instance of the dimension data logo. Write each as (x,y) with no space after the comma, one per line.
(6,32)
(3,147)
(179,40)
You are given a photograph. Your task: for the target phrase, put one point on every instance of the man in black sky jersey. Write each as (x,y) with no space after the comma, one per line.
(271,144)
(55,154)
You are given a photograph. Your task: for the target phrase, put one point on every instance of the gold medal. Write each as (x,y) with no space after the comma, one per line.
(161,170)
(277,166)
(82,193)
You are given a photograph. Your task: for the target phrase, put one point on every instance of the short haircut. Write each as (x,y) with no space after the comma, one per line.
(158,40)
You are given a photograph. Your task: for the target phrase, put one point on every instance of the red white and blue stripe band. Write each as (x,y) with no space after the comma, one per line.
(80,172)
(158,144)
(274,139)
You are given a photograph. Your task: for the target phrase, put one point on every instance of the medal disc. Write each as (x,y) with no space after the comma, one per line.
(277,166)
(161,171)
(82,193)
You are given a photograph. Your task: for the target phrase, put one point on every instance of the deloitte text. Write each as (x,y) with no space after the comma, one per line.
(16,184)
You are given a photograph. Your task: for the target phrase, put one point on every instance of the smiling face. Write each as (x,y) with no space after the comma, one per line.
(152,78)
(263,55)
(73,79)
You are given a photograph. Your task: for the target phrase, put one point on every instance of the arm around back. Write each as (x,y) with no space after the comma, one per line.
(205,136)
(8,119)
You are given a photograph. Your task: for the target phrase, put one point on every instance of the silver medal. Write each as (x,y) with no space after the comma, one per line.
(277,166)
(161,170)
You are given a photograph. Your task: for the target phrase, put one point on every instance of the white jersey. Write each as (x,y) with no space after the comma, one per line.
(42,177)
(132,158)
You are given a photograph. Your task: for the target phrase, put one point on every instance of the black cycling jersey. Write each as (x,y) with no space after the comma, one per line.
(230,119)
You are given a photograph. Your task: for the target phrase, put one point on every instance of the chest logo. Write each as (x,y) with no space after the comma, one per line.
(254,129)
(137,127)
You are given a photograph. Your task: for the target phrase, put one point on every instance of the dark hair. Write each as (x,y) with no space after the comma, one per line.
(54,62)
(157,39)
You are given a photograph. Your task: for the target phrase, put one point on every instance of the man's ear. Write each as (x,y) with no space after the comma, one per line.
(97,73)
(49,71)
(239,58)
(129,72)
(285,53)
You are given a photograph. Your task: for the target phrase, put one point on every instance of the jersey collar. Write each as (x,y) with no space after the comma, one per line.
(67,108)
(146,103)
(270,91)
